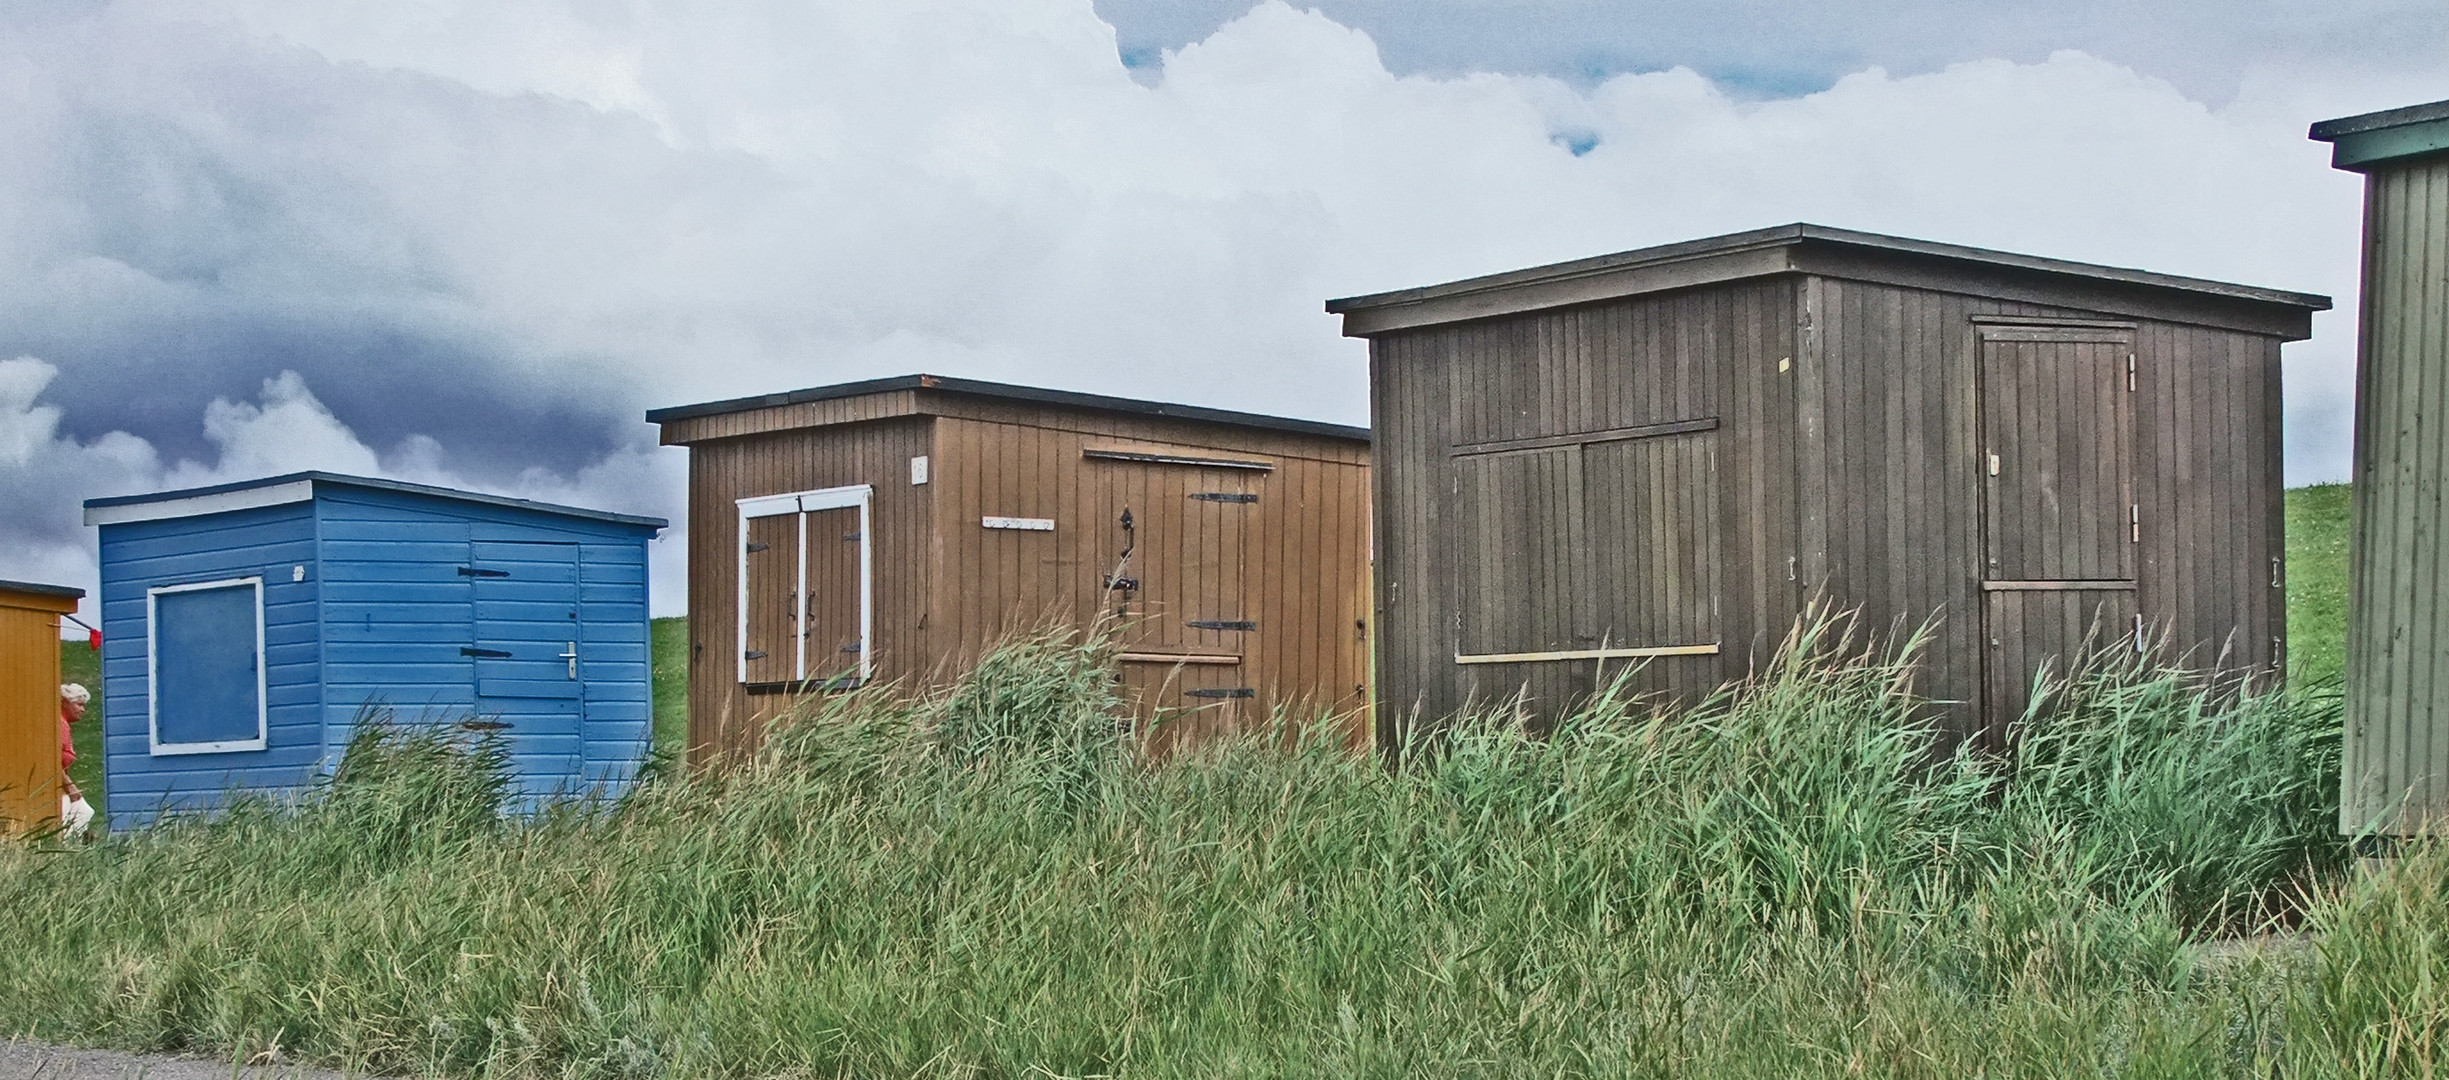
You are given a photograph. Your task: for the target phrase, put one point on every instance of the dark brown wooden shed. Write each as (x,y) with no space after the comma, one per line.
(894,528)
(1661,455)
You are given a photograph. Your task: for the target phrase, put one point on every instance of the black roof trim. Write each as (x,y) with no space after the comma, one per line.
(2331,130)
(1011,392)
(69,591)
(1801,233)
(372,484)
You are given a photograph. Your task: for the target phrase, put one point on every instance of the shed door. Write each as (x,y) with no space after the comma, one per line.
(2060,520)
(771,600)
(2058,424)
(528,660)
(1186,634)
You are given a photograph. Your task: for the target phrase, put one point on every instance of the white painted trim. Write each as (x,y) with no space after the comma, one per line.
(1710,649)
(296,491)
(1018,523)
(803,503)
(153,697)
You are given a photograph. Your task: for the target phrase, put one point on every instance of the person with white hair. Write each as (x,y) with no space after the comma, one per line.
(75,812)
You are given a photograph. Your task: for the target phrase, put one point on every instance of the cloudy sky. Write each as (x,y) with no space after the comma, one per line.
(471,242)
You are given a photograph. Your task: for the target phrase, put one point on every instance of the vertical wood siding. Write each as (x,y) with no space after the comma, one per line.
(1294,562)
(2396,773)
(1614,536)
(724,717)
(29,707)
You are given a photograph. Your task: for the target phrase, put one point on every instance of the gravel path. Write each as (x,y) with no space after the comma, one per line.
(39,1061)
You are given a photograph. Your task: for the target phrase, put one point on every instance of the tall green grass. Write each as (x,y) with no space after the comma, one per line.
(1791,878)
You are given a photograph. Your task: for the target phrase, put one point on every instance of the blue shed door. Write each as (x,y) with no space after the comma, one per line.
(526,648)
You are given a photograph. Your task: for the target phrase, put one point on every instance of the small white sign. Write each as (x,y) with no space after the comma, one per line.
(918,470)
(1023,524)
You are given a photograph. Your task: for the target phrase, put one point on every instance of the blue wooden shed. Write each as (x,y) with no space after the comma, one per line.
(246,625)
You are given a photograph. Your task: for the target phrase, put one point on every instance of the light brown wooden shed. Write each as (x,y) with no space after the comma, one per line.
(894,528)
(30,701)
(1659,456)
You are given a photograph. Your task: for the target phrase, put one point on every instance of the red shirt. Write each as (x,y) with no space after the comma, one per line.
(68,745)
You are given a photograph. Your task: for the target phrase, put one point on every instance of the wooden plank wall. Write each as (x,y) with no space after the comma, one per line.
(724,718)
(1701,354)
(1858,460)
(1304,544)
(1892,482)
(2396,772)
(30,708)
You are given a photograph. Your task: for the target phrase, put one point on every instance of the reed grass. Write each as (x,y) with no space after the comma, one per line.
(1793,878)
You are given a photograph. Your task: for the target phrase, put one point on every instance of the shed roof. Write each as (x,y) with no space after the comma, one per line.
(2358,143)
(1797,248)
(304,486)
(944,384)
(34,589)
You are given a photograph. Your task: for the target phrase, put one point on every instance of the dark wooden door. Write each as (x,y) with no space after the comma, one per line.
(2060,521)
(1522,586)
(2058,426)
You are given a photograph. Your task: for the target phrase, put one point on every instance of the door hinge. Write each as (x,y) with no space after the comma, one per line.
(755,548)
(753,655)
(1222,624)
(1122,584)
(854,537)
(2134,523)
(484,654)
(1224,496)
(475,571)
(2129,373)
(1222,692)
(852,647)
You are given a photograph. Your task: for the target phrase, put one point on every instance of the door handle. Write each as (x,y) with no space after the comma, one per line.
(572,656)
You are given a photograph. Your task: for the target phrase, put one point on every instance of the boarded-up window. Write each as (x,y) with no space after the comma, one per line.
(1598,545)
(207,663)
(805,601)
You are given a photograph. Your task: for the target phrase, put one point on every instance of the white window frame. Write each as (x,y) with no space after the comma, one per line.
(153,697)
(801,504)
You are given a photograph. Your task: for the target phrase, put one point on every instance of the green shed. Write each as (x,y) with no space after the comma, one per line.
(2396,769)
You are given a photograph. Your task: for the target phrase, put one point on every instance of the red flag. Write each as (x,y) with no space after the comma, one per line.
(94,638)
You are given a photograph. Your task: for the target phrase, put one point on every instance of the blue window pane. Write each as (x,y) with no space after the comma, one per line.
(204,660)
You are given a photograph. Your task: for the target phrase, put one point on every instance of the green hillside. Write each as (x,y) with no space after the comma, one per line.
(2317,580)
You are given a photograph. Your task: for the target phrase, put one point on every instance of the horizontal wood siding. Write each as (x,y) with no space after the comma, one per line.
(724,717)
(397,611)
(2397,754)
(138,556)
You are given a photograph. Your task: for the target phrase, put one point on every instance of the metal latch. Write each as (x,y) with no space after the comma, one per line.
(1222,624)
(571,655)
(1224,496)
(1222,692)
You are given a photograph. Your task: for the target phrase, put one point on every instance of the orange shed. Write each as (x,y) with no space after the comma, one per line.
(29,701)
